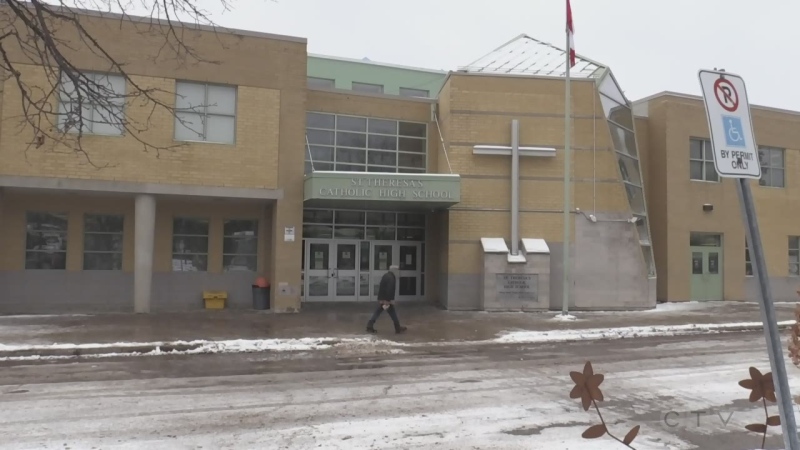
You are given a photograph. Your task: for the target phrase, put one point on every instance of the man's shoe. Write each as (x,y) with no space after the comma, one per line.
(371,329)
(400,330)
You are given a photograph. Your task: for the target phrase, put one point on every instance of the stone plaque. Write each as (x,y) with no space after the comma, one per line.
(517,286)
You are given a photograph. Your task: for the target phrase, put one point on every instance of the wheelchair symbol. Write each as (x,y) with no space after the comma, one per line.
(734,132)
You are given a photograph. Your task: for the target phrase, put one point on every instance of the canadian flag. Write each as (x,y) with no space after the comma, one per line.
(570,33)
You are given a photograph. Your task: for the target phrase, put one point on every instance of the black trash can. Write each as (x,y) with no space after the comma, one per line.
(260,298)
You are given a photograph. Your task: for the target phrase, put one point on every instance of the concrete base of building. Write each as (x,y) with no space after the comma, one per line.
(608,271)
(784,289)
(62,292)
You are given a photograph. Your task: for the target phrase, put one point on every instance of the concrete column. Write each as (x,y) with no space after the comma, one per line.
(144,237)
(515,187)
(284,271)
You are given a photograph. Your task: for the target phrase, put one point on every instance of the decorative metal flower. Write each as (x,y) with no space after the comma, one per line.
(761,386)
(587,386)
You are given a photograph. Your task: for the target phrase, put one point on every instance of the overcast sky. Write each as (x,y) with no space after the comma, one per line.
(651,46)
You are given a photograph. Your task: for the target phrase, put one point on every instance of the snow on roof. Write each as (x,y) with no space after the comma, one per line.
(525,55)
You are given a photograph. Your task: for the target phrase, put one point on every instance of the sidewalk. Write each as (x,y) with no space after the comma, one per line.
(324,324)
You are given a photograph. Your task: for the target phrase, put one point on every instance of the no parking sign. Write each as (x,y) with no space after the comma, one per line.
(732,137)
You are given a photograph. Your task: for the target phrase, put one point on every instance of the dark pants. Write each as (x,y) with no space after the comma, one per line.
(392,314)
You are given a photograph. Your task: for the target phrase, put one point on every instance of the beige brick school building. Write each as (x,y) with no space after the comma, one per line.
(319,173)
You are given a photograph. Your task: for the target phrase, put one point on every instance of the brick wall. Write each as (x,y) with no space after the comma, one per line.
(479,110)
(677,201)
(266,85)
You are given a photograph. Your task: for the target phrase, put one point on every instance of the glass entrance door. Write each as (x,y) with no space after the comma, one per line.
(706,267)
(408,257)
(382,258)
(317,271)
(408,281)
(348,270)
(345,272)
(331,270)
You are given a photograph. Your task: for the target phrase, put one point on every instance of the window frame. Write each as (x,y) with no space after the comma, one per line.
(353,85)
(207,221)
(364,167)
(767,170)
(331,80)
(120,233)
(204,115)
(796,251)
(705,162)
(406,90)
(89,124)
(226,236)
(63,236)
(366,229)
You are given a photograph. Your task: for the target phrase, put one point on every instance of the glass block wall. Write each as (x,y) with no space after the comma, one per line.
(619,116)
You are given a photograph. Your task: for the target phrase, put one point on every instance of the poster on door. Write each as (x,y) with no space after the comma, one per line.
(318,260)
(383,261)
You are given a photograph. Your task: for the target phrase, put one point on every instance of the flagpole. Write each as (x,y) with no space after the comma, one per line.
(567,169)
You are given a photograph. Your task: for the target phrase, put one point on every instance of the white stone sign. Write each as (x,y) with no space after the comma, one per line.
(732,137)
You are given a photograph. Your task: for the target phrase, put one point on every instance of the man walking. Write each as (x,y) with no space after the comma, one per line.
(386,301)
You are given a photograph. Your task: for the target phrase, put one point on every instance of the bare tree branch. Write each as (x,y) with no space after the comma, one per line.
(74,103)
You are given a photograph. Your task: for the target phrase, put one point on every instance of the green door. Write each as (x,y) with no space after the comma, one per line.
(706,267)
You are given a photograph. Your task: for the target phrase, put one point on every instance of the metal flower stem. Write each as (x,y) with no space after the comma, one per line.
(608,432)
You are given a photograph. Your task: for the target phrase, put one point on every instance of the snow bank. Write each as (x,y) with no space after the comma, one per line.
(193,347)
(564,318)
(532,337)
(356,343)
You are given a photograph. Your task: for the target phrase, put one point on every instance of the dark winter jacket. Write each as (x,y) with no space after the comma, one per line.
(386,288)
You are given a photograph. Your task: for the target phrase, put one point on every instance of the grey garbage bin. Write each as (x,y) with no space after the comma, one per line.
(260,298)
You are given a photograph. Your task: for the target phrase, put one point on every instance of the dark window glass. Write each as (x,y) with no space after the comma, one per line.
(413,129)
(46,241)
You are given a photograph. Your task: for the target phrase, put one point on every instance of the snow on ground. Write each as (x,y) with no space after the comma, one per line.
(532,337)
(471,402)
(684,306)
(363,343)
(197,347)
(564,318)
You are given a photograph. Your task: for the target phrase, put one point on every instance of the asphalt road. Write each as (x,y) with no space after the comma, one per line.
(682,391)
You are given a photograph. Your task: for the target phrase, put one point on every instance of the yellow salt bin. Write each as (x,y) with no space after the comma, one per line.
(215,299)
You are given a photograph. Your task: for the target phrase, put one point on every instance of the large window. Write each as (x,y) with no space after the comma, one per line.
(189,244)
(409,92)
(361,144)
(324,83)
(367,87)
(240,245)
(205,112)
(102,242)
(97,104)
(772,166)
(701,160)
(623,138)
(794,256)
(46,241)
(363,225)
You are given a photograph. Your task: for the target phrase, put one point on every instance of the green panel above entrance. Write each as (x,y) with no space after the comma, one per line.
(381,190)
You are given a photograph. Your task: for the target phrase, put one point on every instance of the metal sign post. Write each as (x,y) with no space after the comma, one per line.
(736,156)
